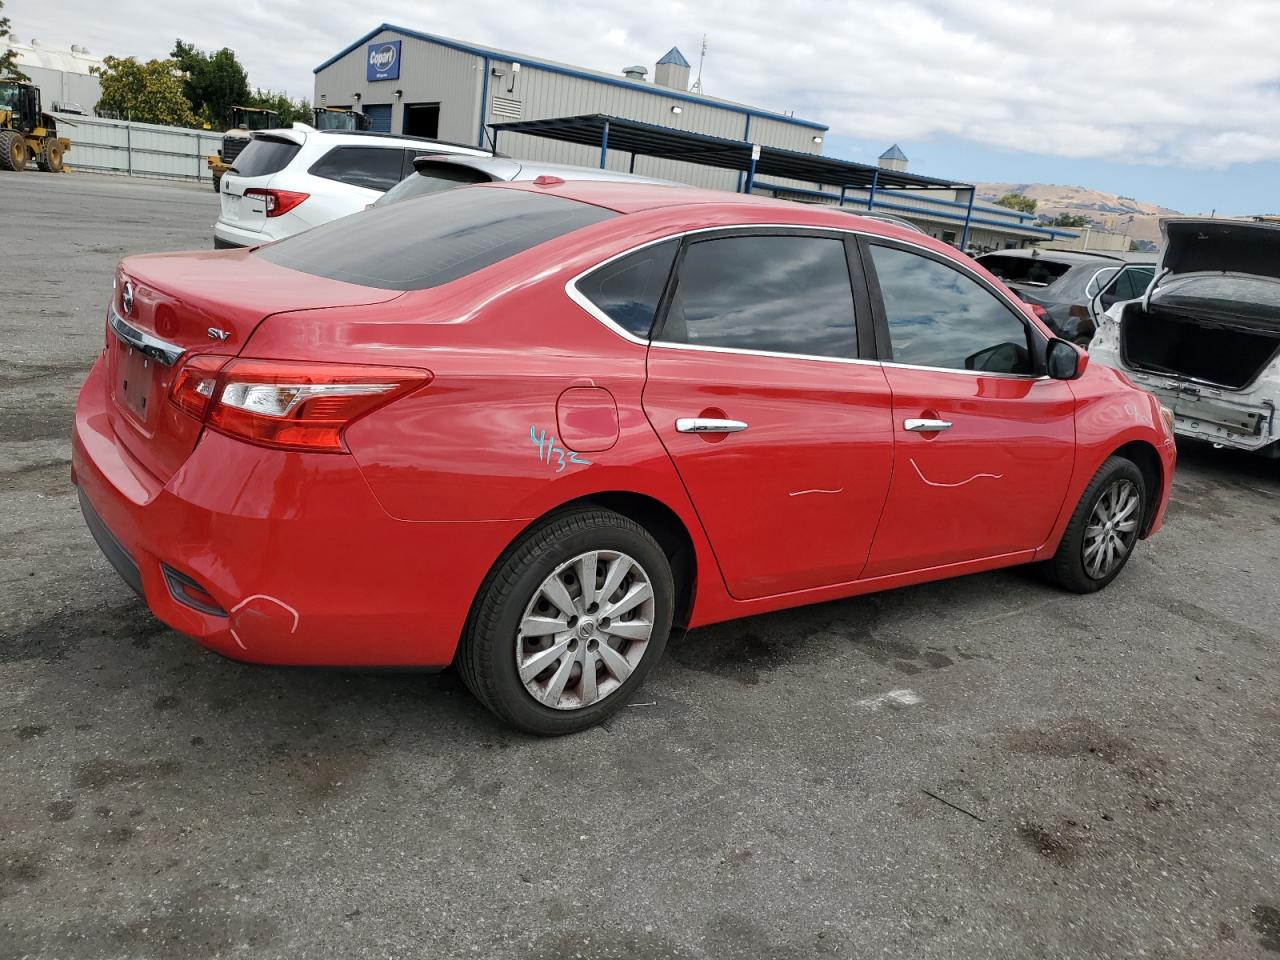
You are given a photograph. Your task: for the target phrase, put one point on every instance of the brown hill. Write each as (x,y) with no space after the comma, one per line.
(1106,211)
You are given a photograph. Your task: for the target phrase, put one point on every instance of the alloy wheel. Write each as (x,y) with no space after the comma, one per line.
(585,630)
(1112,529)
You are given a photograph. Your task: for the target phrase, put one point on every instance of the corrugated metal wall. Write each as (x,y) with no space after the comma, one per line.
(138,149)
(430,72)
(65,86)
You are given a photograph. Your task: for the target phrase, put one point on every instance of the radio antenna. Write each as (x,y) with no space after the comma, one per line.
(697,84)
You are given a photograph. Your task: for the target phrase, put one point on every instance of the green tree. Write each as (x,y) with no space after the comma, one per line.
(9,58)
(290,111)
(148,92)
(1069,220)
(213,83)
(1016,201)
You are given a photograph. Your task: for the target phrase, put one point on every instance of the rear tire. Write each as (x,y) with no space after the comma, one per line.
(535,629)
(1103,530)
(13,150)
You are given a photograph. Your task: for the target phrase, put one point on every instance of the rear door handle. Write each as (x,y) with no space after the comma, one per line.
(708,425)
(926,426)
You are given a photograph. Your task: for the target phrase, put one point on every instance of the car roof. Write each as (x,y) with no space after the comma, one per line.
(1061,256)
(370,138)
(511,168)
(720,208)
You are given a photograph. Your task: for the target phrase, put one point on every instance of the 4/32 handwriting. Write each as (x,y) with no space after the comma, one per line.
(550,453)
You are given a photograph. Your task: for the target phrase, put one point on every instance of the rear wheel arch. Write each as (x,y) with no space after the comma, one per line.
(1144,456)
(655,516)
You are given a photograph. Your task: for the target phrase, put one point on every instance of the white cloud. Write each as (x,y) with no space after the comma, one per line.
(1196,85)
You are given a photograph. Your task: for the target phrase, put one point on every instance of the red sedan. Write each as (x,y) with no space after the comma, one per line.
(528,428)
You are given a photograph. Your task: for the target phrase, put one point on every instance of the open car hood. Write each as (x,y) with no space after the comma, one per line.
(1201,245)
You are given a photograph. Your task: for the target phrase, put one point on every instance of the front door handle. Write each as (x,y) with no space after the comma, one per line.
(708,425)
(926,426)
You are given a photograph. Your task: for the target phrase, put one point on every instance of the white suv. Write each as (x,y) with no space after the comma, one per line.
(286,181)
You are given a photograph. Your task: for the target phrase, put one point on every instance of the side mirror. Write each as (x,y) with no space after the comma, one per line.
(1065,361)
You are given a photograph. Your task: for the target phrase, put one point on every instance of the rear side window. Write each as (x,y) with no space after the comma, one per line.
(1132,283)
(263,156)
(781,294)
(414,246)
(628,289)
(375,168)
(431,179)
(1032,271)
(940,317)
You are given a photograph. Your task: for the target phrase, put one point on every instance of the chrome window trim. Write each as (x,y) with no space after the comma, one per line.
(707,348)
(971,373)
(573,293)
(153,347)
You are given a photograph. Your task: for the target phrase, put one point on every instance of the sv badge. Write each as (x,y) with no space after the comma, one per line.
(216,334)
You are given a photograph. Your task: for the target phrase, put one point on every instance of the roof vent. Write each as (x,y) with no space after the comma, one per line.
(672,70)
(636,72)
(893,159)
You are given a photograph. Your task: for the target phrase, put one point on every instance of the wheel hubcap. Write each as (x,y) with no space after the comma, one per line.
(585,630)
(1112,529)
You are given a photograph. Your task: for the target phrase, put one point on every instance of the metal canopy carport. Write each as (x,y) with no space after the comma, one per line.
(651,140)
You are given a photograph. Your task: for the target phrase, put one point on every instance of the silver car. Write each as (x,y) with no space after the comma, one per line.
(436,172)
(1205,336)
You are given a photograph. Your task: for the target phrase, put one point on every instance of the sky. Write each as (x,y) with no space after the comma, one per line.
(1176,103)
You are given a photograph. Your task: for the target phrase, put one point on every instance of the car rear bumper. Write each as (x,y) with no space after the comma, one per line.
(297,562)
(226,236)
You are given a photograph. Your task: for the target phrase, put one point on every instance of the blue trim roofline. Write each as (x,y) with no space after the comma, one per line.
(494,53)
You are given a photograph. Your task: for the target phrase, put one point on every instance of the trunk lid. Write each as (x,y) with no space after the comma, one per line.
(1201,245)
(256,166)
(167,308)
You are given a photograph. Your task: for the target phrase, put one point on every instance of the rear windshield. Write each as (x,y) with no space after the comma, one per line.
(431,178)
(1031,271)
(432,240)
(264,156)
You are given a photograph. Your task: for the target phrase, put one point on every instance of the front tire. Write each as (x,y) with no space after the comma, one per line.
(51,159)
(1104,529)
(569,622)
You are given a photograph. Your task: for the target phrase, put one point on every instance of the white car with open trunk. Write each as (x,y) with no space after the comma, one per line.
(1205,337)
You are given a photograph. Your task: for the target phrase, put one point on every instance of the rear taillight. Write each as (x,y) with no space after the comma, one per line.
(288,404)
(194,384)
(277,202)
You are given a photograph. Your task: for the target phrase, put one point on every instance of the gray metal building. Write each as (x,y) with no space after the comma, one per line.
(415,83)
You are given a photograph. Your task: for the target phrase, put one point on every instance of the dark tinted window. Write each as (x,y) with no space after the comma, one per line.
(431,240)
(1132,283)
(939,317)
(1032,271)
(377,168)
(431,179)
(263,156)
(783,294)
(628,290)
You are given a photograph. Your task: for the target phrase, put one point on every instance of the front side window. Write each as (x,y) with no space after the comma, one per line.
(436,239)
(940,317)
(779,294)
(628,289)
(374,168)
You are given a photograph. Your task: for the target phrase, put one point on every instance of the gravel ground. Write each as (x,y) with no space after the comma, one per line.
(979,768)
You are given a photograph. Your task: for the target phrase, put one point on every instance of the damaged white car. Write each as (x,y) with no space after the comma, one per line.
(1205,336)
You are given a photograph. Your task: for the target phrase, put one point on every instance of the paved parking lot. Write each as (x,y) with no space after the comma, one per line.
(980,768)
